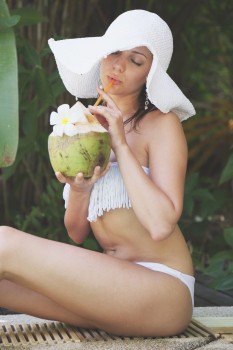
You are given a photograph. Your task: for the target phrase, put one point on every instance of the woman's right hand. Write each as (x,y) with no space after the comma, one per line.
(111,119)
(79,183)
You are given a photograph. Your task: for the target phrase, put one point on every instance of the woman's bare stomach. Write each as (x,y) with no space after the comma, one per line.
(121,235)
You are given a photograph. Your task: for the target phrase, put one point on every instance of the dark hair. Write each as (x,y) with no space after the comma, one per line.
(141,112)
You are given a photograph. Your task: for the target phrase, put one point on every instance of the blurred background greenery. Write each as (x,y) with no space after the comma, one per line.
(31,198)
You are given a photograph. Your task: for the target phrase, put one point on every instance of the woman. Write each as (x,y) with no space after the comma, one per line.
(142,283)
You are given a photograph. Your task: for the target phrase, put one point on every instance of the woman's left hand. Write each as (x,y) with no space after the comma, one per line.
(111,119)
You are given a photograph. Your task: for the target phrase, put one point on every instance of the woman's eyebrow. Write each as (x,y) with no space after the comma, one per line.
(140,53)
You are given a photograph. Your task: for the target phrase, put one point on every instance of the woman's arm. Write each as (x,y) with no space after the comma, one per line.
(157,200)
(77,225)
(76,213)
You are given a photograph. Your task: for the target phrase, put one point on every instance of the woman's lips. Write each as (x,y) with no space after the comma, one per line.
(114,80)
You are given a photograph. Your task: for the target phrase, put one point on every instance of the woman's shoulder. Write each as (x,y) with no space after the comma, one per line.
(156,121)
(159,116)
(163,130)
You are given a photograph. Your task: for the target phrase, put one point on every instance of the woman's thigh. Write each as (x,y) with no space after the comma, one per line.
(115,295)
(23,300)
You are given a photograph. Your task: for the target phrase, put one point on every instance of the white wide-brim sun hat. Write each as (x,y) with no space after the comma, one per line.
(78,60)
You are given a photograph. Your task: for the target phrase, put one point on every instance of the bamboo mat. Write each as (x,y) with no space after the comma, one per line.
(49,333)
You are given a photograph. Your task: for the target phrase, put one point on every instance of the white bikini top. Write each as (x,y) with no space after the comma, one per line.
(108,193)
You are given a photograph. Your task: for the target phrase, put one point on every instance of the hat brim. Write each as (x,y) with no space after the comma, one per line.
(78,62)
(166,95)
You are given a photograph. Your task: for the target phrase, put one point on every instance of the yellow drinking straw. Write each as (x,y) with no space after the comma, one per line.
(105,90)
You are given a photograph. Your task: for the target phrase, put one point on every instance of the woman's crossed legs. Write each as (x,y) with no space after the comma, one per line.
(66,283)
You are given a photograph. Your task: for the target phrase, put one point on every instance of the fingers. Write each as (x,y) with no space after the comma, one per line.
(96,174)
(61,178)
(100,110)
(108,113)
(107,99)
(65,179)
(80,181)
(79,178)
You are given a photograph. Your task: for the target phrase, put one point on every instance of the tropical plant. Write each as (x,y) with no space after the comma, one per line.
(220,264)
(8,87)
(208,227)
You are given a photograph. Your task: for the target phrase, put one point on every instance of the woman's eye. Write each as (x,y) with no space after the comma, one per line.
(137,63)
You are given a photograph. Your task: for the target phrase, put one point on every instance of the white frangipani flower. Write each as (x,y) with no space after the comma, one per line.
(64,120)
(74,120)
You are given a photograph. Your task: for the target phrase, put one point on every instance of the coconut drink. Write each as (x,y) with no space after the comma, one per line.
(78,142)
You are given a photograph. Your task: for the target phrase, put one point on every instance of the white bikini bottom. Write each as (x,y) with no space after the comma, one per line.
(186,279)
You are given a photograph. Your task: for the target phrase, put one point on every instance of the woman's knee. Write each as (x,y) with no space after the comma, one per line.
(7,236)
(5,233)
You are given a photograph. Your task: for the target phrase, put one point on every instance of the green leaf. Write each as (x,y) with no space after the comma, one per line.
(28,15)
(203,195)
(9,21)
(188,205)
(227,173)
(30,55)
(44,90)
(228,235)
(8,93)
(56,83)
(220,264)
(25,146)
(220,197)
(221,257)
(215,268)
(29,120)
(224,282)
(191,182)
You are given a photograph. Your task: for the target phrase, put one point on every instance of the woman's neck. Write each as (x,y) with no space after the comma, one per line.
(128,105)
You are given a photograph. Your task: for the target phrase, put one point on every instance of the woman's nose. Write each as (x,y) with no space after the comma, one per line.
(119,64)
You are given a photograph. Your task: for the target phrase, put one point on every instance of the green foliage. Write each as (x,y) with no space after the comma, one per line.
(210,138)
(227,172)
(8,88)
(206,226)
(91,243)
(228,235)
(28,16)
(208,197)
(220,265)
(46,219)
(202,198)
(7,22)
(38,91)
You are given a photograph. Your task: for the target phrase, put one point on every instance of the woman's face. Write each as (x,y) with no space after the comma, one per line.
(128,70)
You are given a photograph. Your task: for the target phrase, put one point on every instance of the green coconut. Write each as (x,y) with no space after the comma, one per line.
(80,153)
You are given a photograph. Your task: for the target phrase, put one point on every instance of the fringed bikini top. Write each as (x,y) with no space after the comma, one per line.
(108,193)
